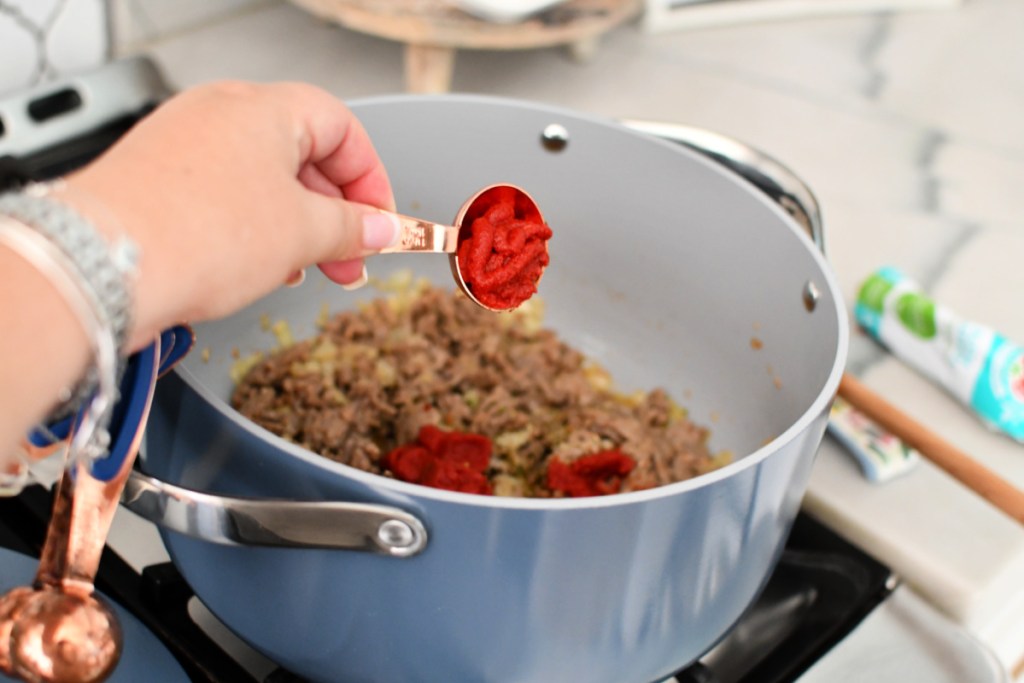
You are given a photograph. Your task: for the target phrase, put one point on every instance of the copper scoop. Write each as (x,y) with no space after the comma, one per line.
(58,630)
(417,235)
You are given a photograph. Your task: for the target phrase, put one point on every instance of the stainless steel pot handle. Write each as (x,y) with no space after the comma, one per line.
(768,175)
(279,523)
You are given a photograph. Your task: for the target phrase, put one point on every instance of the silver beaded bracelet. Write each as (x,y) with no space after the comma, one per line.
(91,435)
(103,272)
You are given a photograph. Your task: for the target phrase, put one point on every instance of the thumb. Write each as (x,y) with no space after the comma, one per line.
(342,230)
(343,233)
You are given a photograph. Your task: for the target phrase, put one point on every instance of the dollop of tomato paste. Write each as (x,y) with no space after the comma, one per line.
(596,474)
(506,251)
(455,461)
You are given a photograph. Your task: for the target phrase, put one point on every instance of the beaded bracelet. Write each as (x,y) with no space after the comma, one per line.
(103,271)
(95,279)
(90,437)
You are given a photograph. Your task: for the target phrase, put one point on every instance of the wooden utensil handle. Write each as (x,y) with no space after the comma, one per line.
(955,462)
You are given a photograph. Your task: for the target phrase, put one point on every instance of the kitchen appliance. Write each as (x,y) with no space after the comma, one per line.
(806,607)
(822,588)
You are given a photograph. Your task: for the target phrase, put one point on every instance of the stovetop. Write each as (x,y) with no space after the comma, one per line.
(821,589)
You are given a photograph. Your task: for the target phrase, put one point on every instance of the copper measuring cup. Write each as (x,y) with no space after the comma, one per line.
(417,235)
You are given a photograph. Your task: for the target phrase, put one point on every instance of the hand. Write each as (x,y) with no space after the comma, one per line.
(231,187)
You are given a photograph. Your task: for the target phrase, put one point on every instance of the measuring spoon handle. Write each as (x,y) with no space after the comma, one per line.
(418,235)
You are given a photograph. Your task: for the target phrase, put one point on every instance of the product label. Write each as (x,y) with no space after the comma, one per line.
(974,363)
(917,313)
(871,300)
(999,395)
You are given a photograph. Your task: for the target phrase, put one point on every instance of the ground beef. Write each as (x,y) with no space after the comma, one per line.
(373,377)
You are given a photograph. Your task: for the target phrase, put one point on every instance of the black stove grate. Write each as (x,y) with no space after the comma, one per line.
(158,597)
(821,589)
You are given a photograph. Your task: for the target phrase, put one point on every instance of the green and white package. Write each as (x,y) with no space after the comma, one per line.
(977,365)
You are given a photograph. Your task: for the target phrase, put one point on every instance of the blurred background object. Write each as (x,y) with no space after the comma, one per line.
(433,30)
(504,10)
(665,15)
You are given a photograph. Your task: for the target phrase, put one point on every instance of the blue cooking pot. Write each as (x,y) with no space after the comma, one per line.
(665,264)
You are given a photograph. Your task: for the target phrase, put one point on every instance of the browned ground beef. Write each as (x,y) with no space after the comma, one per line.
(373,377)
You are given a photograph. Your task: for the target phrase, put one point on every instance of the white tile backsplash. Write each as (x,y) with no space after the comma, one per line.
(78,36)
(40,39)
(19,58)
(36,11)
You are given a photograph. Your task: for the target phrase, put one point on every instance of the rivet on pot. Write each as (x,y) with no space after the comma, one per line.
(811,295)
(395,533)
(555,137)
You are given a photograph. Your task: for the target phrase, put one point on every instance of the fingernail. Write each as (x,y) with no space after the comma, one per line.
(379,230)
(357,283)
(296,278)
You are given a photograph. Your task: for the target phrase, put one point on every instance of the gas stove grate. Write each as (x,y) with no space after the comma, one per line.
(158,597)
(821,589)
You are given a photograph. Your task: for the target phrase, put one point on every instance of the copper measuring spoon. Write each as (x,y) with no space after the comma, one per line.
(421,236)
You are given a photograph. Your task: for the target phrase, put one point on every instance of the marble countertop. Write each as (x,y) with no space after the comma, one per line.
(909,128)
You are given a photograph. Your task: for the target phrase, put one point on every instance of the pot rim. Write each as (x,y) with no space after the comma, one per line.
(821,403)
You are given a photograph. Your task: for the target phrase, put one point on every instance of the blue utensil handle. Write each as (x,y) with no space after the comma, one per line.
(135,394)
(175,342)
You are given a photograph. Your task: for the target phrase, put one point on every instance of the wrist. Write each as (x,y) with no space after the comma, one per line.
(121,213)
(43,350)
(93,274)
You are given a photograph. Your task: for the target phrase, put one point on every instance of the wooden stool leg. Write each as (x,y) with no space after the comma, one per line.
(582,51)
(428,68)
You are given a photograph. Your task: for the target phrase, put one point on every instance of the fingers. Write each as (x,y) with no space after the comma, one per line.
(341,181)
(349,232)
(313,179)
(333,141)
(341,230)
(355,167)
(380,230)
(338,161)
(350,274)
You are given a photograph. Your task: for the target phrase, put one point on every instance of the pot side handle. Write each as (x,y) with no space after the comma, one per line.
(769,176)
(225,520)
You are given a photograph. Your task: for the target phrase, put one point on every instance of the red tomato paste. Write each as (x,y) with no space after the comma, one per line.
(597,474)
(455,461)
(503,257)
